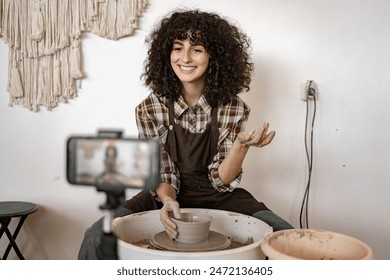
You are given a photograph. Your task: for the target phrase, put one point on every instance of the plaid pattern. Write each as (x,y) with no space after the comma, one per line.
(153,122)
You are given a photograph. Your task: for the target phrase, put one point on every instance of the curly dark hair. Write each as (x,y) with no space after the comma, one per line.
(230,65)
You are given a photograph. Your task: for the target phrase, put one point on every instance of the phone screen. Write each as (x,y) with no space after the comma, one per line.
(113,163)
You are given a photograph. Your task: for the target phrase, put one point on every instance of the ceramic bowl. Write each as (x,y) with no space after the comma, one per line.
(193,227)
(311,244)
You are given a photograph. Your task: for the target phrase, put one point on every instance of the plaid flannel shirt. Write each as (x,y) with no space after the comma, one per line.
(153,120)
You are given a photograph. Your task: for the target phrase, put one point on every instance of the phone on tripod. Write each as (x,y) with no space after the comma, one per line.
(113,163)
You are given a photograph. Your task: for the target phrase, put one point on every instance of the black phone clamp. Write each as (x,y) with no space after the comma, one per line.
(110,133)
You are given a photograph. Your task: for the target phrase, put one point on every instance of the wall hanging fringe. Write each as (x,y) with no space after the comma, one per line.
(44,37)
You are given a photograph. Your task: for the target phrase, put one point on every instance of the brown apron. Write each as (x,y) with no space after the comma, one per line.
(192,153)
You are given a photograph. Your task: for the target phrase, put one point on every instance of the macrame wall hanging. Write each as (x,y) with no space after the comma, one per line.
(44,38)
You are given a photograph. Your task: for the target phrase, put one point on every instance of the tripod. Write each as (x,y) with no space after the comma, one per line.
(107,249)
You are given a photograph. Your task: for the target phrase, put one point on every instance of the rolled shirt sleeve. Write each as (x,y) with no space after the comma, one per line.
(232,120)
(152,122)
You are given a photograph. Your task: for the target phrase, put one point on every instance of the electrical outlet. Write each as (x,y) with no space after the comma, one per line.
(309,90)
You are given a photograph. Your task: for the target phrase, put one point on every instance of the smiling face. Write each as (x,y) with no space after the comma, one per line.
(189,61)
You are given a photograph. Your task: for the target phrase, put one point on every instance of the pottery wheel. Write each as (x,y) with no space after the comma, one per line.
(216,241)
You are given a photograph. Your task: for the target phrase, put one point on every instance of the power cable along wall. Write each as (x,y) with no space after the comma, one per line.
(310,95)
(44,38)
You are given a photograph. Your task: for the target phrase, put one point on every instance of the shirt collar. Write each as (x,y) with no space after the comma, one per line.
(181,106)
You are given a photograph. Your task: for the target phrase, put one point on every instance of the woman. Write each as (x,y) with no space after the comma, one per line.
(197,64)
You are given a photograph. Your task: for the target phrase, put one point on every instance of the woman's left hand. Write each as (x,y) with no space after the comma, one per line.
(260,138)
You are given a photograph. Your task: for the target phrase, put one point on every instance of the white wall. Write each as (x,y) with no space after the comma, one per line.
(342,45)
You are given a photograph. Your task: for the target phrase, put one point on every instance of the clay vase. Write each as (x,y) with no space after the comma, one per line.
(193,227)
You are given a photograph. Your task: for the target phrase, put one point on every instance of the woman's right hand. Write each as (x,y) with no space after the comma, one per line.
(170,205)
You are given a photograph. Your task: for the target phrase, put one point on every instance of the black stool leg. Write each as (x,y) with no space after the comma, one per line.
(12,243)
(4,225)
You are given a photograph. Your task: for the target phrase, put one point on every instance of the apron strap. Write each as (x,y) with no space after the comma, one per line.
(214,131)
(171,132)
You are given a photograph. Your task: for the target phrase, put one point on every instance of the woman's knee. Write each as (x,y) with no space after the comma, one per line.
(273,220)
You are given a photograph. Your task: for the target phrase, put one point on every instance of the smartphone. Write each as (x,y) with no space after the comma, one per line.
(113,163)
